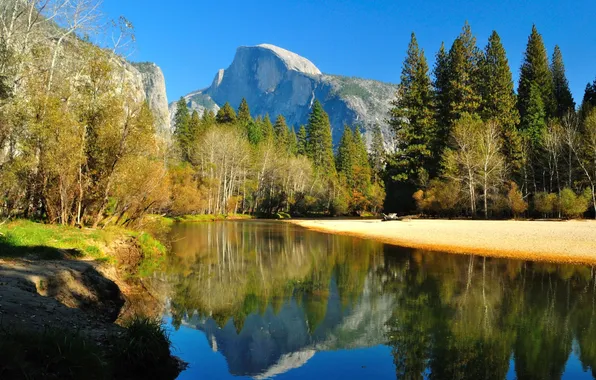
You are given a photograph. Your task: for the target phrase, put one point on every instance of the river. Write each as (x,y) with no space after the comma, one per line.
(263,300)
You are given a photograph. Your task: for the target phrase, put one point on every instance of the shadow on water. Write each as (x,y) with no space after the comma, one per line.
(269,296)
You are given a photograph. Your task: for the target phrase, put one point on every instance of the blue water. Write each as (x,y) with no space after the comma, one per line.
(267,300)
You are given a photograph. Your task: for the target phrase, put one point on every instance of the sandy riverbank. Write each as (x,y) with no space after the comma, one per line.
(557,241)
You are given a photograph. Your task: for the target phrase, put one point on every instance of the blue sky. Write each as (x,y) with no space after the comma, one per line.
(191,40)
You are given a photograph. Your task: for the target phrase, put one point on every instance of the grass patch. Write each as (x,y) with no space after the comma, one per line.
(141,352)
(154,254)
(22,237)
(144,351)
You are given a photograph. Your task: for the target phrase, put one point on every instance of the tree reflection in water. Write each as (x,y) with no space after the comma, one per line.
(269,295)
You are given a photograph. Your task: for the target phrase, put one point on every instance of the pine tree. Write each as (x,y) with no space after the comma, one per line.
(462,90)
(226,114)
(302,141)
(412,120)
(442,102)
(346,152)
(496,85)
(319,143)
(563,98)
(208,118)
(282,133)
(362,172)
(181,128)
(254,132)
(498,97)
(267,129)
(534,120)
(589,99)
(293,143)
(244,113)
(377,154)
(535,71)
(194,128)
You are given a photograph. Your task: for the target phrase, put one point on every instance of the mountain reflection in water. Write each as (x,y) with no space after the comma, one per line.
(270,297)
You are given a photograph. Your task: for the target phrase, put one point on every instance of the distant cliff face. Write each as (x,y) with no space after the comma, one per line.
(154,88)
(276,81)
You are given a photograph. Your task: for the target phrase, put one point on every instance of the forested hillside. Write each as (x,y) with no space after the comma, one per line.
(77,138)
(79,142)
(470,145)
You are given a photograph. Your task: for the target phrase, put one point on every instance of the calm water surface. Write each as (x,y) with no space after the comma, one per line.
(271,300)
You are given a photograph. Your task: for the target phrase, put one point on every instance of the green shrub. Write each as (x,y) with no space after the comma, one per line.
(546,203)
(143,352)
(441,197)
(572,205)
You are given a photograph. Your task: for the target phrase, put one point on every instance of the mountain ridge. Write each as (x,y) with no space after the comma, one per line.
(277,81)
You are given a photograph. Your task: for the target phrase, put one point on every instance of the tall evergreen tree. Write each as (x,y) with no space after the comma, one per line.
(411,119)
(302,141)
(498,97)
(462,90)
(254,132)
(208,118)
(534,120)
(244,113)
(346,153)
(589,99)
(293,142)
(195,127)
(535,71)
(377,154)
(182,133)
(226,114)
(282,133)
(442,102)
(267,129)
(496,85)
(563,98)
(319,143)
(362,172)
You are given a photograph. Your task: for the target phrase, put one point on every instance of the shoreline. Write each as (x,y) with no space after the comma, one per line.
(565,242)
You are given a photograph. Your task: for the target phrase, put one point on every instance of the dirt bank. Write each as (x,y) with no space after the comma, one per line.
(80,294)
(555,241)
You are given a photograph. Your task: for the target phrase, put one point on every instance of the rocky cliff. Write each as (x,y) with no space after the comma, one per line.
(276,81)
(154,88)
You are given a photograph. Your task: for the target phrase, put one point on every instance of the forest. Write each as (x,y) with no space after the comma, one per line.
(79,146)
(468,144)
(229,162)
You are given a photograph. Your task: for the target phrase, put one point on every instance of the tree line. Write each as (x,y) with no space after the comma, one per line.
(468,144)
(229,162)
(79,144)
(77,141)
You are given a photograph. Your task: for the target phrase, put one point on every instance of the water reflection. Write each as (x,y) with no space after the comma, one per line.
(269,296)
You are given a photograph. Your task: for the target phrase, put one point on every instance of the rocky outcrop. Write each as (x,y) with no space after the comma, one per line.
(276,81)
(154,88)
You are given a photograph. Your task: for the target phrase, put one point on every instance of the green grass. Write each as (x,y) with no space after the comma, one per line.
(23,237)
(142,351)
(154,253)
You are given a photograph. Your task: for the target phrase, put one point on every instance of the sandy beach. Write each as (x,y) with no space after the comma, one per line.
(556,241)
